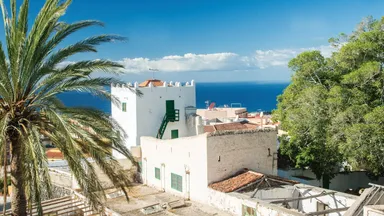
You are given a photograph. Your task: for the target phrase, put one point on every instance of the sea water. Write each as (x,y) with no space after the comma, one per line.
(253,96)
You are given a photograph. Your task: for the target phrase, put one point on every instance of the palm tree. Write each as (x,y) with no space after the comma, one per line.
(33,71)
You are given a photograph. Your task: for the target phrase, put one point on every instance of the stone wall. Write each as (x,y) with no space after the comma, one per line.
(231,151)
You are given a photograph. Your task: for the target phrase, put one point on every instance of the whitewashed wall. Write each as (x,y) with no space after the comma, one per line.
(177,156)
(334,201)
(233,203)
(127,120)
(230,152)
(145,114)
(151,110)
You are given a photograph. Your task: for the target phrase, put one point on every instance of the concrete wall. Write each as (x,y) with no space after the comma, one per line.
(234,202)
(333,201)
(145,114)
(231,151)
(374,210)
(341,182)
(211,114)
(178,156)
(222,113)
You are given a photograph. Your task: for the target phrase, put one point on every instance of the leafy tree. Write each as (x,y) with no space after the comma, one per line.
(32,73)
(333,108)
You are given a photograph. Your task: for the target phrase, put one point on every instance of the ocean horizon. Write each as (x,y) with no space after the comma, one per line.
(255,96)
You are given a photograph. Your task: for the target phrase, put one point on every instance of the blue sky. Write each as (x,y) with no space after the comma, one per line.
(216,40)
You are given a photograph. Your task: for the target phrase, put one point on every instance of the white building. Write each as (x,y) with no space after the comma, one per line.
(186,166)
(163,106)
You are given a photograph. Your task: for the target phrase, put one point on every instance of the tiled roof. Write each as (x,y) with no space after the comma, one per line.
(154,82)
(209,128)
(54,154)
(236,182)
(246,178)
(230,126)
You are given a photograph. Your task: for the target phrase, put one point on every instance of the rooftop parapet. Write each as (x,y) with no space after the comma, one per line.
(152,84)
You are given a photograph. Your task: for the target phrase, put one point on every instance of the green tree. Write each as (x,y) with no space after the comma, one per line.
(331,109)
(32,73)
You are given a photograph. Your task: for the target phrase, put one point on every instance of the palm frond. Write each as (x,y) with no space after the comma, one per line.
(32,74)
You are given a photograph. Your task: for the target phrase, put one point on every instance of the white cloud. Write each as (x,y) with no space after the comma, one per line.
(187,62)
(281,57)
(226,61)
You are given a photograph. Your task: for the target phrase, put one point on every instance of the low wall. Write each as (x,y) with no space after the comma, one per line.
(60,178)
(332,201)
(235,203)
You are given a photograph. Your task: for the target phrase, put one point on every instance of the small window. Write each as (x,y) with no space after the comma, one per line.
(124,106)
(174,134)
(157,173)
(176,182)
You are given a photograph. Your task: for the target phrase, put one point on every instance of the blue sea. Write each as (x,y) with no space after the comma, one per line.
(253,96)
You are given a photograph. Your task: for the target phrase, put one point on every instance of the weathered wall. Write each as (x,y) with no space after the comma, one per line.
(333,201)
(233,203)
(221,113)
(61,179)
(231,151)
(145,114)
(211,114)
(224,201)
(374,210)
(178,156)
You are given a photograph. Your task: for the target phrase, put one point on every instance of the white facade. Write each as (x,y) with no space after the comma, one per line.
(144,115)
(207,158)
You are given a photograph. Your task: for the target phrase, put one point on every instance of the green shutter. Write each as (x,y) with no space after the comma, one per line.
(170,110)
(157,173)
(170,106)
(176,182)
(174,134)
(124,105)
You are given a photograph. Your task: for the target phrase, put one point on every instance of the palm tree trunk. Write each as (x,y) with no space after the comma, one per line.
(19,200)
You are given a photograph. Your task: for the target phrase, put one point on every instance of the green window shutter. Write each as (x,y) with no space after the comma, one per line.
(176,182)
(174,134)
(124,106)
(157,173)
(170,110)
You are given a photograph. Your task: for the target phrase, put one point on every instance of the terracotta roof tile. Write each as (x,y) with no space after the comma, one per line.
(209,128)
(236,182)
(54,154)
(154,82)
(246,178)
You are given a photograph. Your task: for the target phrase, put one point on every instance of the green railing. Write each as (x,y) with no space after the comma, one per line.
(168,117)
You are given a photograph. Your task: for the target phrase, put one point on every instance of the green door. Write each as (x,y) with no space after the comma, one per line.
(174,134)
(170,109)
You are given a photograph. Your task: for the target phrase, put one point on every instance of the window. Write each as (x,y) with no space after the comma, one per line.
(157,173)
(176,182)
(174,134)
(124,105)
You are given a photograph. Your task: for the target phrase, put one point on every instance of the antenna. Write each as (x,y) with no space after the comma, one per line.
(153,72)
